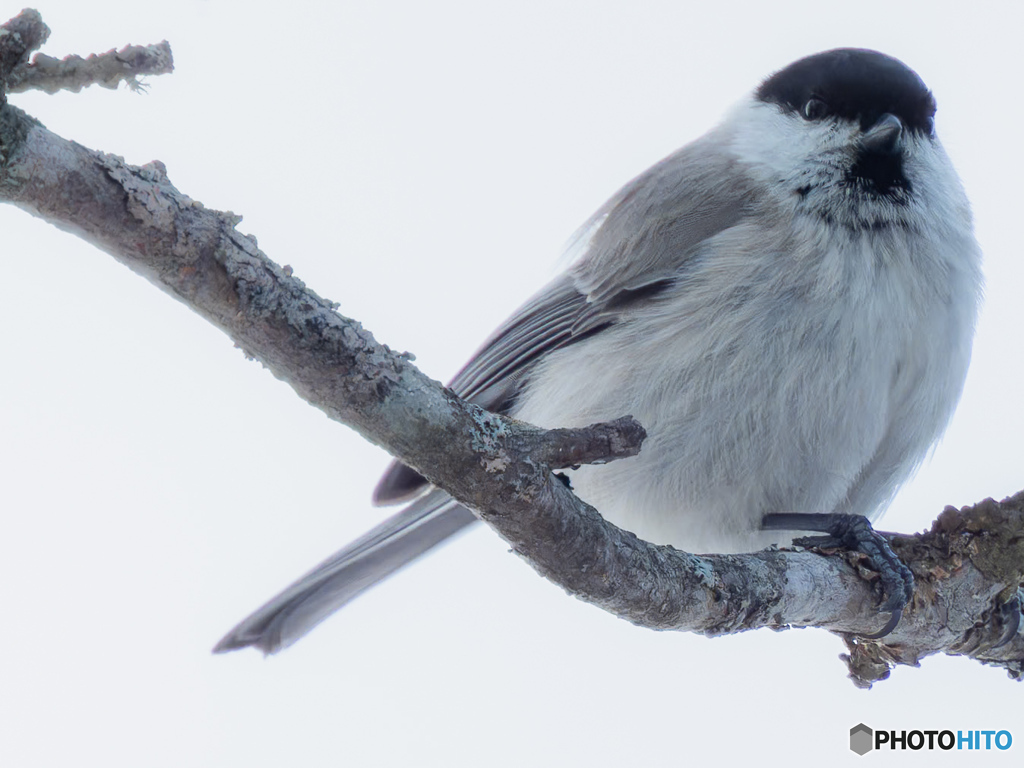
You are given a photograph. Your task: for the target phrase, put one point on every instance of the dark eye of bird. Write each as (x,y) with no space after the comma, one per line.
(815,108)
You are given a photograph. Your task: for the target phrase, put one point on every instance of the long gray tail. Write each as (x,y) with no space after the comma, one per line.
(368,560)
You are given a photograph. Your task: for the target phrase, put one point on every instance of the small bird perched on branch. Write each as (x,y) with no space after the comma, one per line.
(786,304)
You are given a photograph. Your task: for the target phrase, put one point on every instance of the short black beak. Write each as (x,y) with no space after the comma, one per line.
(884,136)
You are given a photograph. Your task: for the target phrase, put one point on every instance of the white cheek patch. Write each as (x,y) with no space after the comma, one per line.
(784,150)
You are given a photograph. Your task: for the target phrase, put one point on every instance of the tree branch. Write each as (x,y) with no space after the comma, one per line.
(108,70)
(18,38)
(968,567)
(26,32)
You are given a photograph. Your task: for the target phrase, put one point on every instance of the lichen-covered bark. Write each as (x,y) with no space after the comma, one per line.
(968,567)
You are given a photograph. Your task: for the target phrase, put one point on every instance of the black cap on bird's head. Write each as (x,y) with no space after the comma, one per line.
(854,84)
(881,95)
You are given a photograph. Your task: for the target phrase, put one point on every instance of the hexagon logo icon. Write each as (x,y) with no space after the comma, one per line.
(861,739)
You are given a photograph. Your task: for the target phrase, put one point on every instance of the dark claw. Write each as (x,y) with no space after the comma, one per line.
(890,625)
(854,532)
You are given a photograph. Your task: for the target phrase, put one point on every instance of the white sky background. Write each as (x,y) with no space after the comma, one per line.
(422,164)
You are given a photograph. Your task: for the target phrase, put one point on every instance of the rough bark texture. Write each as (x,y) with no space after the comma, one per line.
(109,70)
(968,567)
(26,32)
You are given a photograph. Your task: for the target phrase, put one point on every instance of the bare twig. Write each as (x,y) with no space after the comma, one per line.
(26,32)
(108,70)
(968,567)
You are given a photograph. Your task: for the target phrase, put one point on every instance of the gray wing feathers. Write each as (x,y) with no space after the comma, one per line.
(542,324)
(638,241)
(370,559)
(655,223)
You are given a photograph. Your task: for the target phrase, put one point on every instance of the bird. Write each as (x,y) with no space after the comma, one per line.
(786,304)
